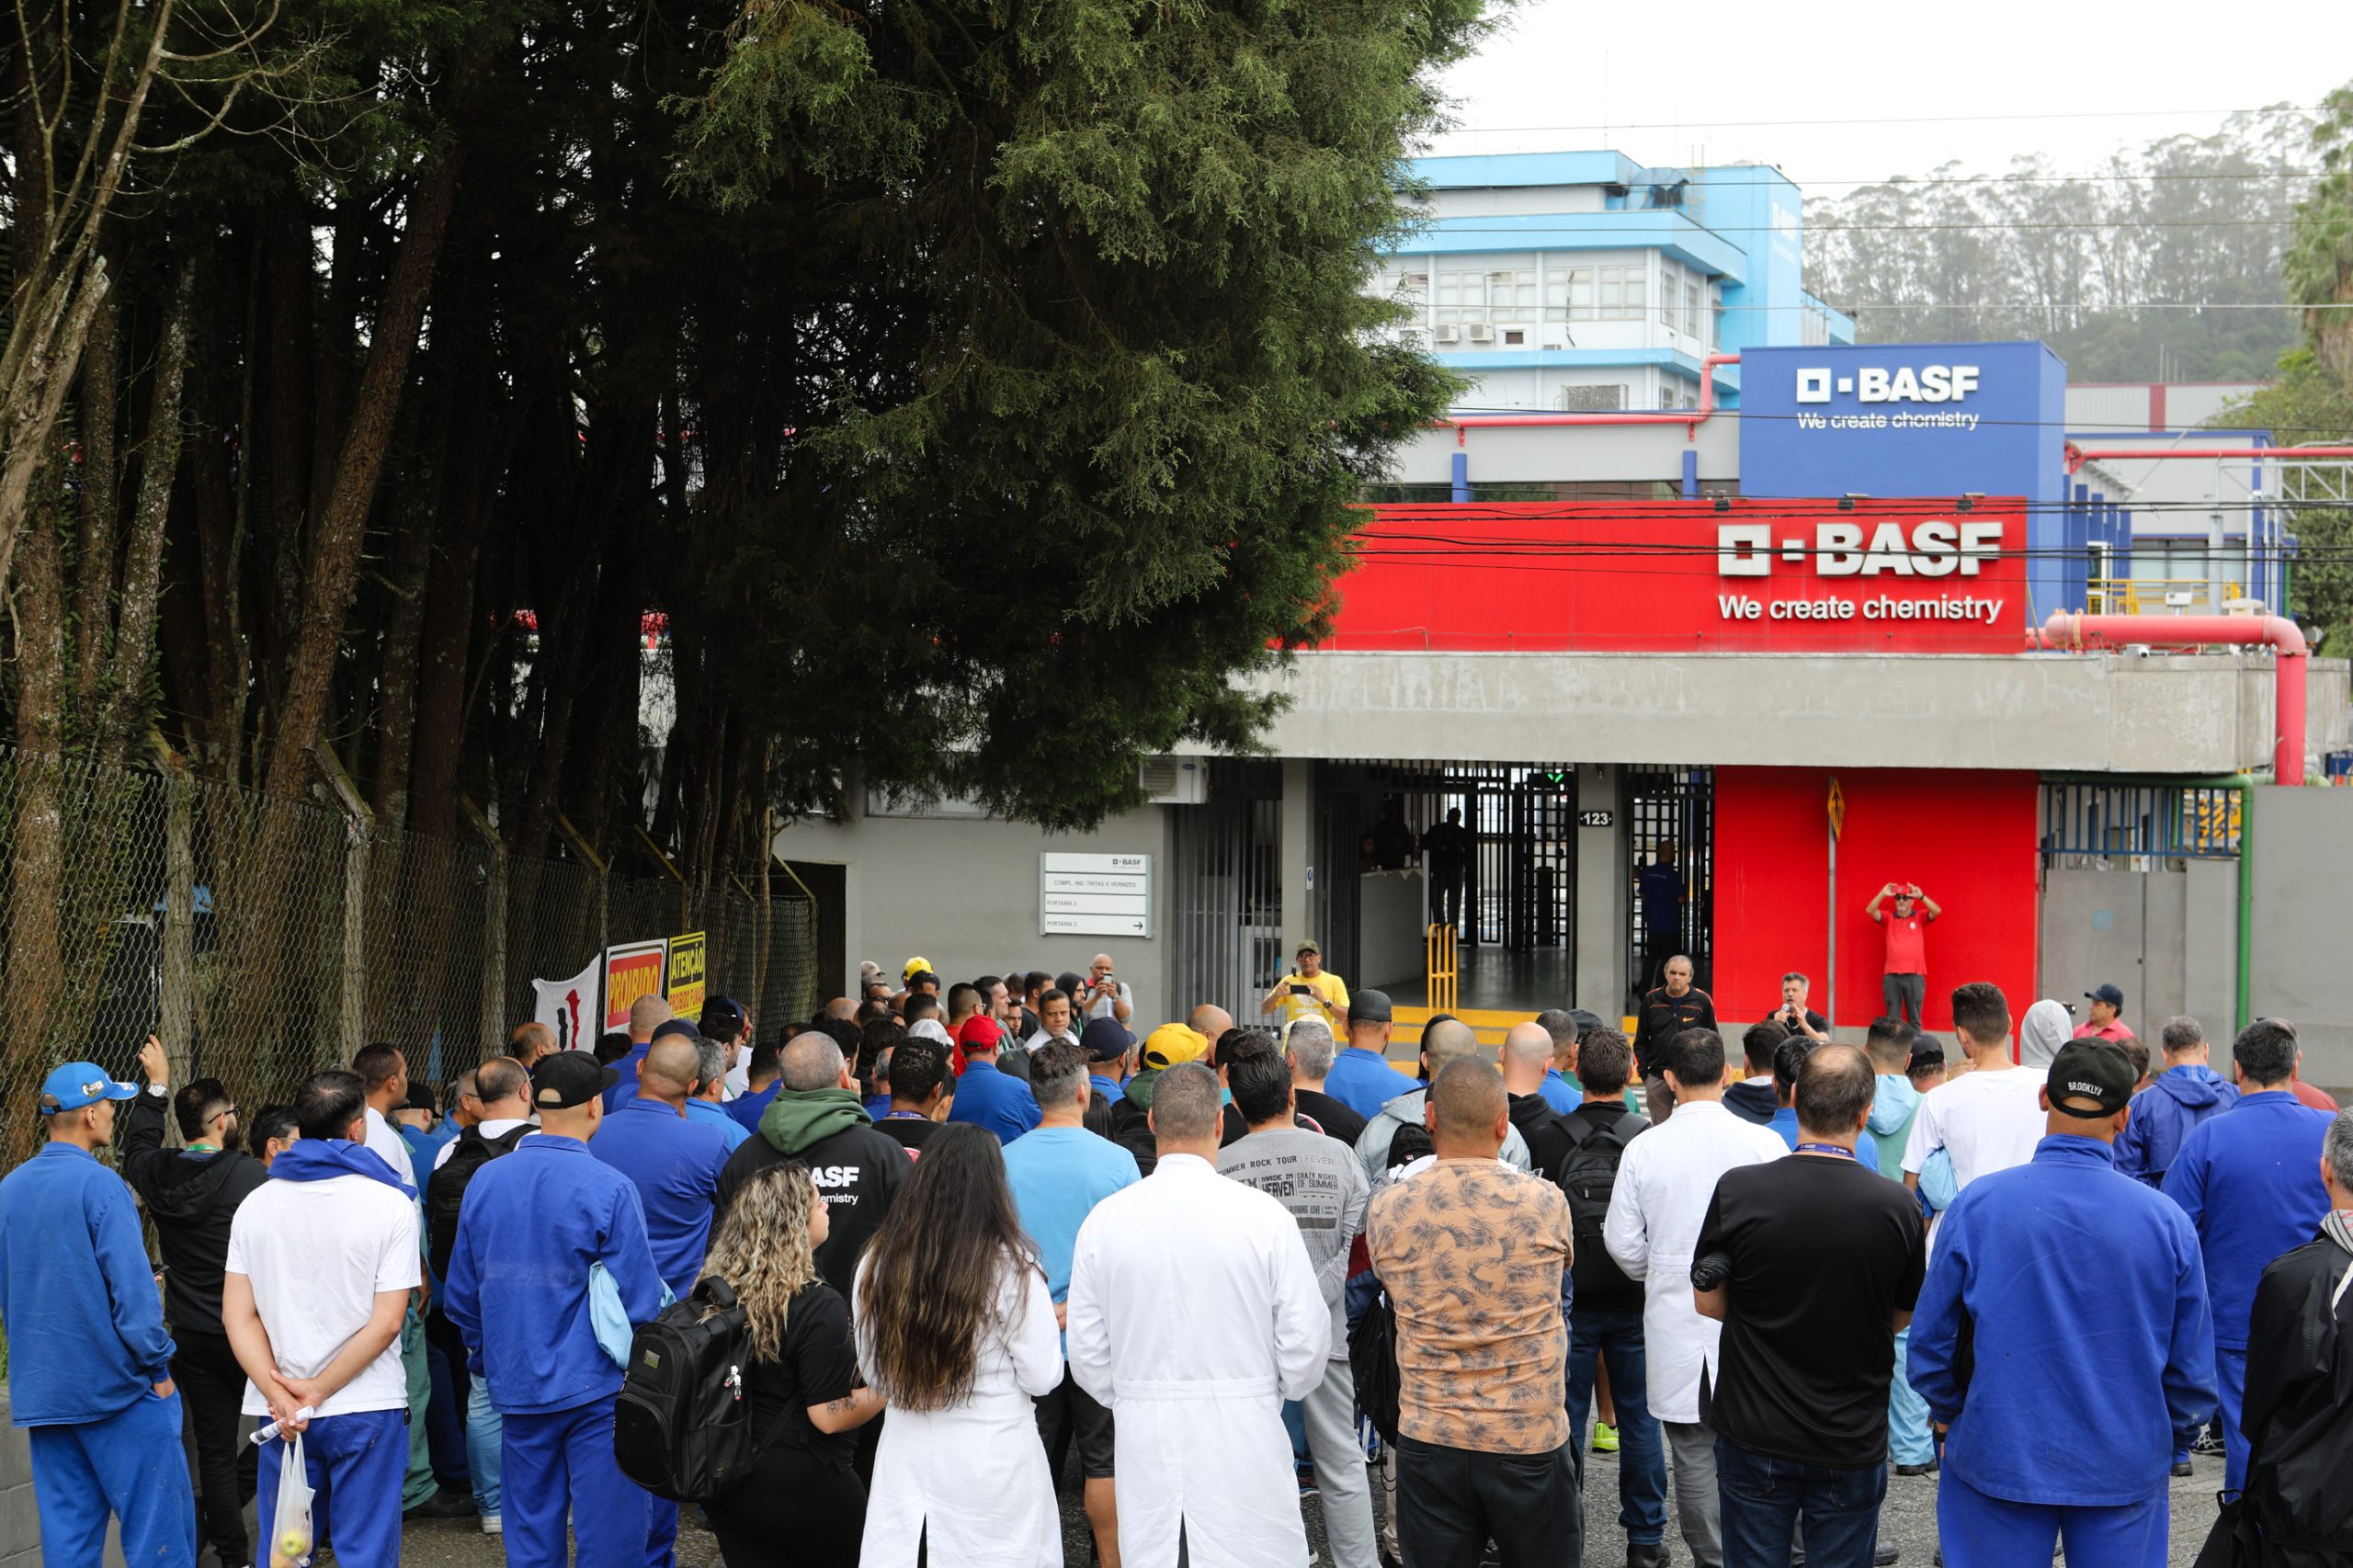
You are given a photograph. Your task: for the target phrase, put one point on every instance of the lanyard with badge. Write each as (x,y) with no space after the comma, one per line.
(1833,1149)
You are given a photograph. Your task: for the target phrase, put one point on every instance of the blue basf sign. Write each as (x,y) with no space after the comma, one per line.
(1911,419)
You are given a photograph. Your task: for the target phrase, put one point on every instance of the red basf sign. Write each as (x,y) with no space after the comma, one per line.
(1755,574)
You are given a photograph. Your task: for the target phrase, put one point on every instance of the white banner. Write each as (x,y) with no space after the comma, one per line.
(569,1007)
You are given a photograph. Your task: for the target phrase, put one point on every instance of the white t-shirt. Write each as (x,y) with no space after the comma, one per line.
(317,1254)
(1984,1121)
(385,1139)
(497,1127)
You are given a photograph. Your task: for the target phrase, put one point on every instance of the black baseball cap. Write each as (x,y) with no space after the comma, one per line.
(2091,1069)
(723,1019)
(2108,994)
(686,1028)
(1586,1021)
(569,1078)
(1369,1007)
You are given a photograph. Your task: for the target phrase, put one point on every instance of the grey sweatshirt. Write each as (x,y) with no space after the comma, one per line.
(1321,1183)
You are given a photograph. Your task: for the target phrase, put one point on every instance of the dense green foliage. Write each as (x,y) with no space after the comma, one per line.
(974,389)
(2067,255)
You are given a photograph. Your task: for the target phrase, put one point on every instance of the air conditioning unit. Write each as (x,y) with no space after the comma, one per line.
(1175,780)
(1482,332)
(1449,334)
(1593,398)
(1553,337)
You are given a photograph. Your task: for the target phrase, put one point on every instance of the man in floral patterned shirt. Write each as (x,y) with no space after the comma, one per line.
(1474,1256)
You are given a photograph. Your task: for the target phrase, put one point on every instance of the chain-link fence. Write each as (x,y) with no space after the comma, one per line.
(263,939)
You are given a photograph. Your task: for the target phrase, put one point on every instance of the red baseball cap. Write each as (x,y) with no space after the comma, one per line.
(980,1032)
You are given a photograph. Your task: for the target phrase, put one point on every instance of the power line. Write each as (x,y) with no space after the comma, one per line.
(1877,119)
(1926,305)
(1907,182)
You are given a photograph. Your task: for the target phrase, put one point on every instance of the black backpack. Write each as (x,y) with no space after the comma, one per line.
(445,1189)
(1588,1174)
(682,1428)
(1373,1366)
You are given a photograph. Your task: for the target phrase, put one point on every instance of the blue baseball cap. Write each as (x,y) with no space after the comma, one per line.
(78,1084)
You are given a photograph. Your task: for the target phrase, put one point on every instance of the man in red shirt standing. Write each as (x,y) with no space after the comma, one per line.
(1905,984)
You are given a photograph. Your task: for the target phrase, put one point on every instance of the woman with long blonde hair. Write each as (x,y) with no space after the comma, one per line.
(957,1329)
(800,1501)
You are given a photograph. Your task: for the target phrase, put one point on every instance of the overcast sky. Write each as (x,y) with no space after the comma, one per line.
(1639,78)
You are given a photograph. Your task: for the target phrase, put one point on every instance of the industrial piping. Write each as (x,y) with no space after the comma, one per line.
(2068,629)
(1690,419)
(2078,456)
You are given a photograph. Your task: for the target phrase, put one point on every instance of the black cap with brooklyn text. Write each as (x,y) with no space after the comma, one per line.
(2091,1069)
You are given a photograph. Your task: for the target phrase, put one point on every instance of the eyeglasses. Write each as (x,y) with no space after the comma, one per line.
(225,1112)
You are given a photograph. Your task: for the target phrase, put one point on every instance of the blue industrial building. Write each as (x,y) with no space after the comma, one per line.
(1585,282)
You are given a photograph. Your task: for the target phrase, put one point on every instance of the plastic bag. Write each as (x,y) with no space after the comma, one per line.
(289,1528)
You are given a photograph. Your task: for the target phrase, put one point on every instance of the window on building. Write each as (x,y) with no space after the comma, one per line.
(1511,296)
(1568,295)
(1670,291)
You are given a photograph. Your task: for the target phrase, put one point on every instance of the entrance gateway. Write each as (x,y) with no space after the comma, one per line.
(1542,855)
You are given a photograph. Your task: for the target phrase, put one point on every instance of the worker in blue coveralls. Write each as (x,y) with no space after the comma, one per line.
(2249,1180)
(90,1364)
(2064,1337)
(533,1227)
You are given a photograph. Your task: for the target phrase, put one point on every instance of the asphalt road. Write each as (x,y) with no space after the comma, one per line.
(1909,1521)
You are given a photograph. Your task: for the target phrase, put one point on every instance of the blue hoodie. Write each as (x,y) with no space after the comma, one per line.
(77,1295)
(1895,1102)
(2059,1275)
(534,1221)
(2249,1179)
(2163,1115)
(323,1159)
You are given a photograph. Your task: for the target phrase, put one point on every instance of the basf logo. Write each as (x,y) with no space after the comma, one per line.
(1880,383)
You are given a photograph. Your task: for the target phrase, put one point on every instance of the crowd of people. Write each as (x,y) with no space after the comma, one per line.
(970,1227)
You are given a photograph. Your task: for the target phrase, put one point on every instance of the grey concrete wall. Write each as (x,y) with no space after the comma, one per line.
(1551,454)
(2181,713)
(1391,942)
(2302,847)
(963,892)
(1605,880)
(2166,937)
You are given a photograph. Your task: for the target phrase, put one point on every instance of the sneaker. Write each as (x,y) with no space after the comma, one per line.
(1653,1556)
(2210,1441)
(492,1525)
(1927,1469)
(1884,1555)
(443,1504)
(2185,1468)
(1604,1439)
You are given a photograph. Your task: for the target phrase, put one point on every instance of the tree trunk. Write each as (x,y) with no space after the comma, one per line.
(129,702)
(342,527)
(101,467)
(36,967)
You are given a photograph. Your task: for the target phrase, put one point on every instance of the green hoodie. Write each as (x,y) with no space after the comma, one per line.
(1140,1087)
(797,1117)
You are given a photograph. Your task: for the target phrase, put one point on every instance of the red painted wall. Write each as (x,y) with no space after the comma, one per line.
(1969,839)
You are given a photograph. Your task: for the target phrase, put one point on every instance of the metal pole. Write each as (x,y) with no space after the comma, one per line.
(493,1029)
(1830,1001)
(180,920)
(359,834)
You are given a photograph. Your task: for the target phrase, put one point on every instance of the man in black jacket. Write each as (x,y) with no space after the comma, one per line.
(818,1119)
(192,1194)
(2299,1412)
(1666,1012)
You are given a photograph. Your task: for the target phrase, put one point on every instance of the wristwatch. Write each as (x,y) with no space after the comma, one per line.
(159,1090)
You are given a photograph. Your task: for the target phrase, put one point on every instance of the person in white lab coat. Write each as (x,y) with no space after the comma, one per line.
(1194,1314)
(1665,1182)
(955,1330)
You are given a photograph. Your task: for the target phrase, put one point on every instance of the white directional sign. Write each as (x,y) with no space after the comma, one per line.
(1095,895)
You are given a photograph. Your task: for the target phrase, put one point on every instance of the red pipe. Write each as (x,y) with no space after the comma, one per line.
(2067,629)
(1691,419)
(2078,456)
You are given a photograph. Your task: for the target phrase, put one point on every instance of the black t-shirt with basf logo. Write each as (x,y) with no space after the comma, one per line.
(857,1171)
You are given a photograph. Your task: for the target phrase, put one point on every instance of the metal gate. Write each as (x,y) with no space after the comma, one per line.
(1672,806)
(1226,891)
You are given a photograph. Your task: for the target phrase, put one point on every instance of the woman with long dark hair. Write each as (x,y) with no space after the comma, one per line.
(800,1502)
(957,1330)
